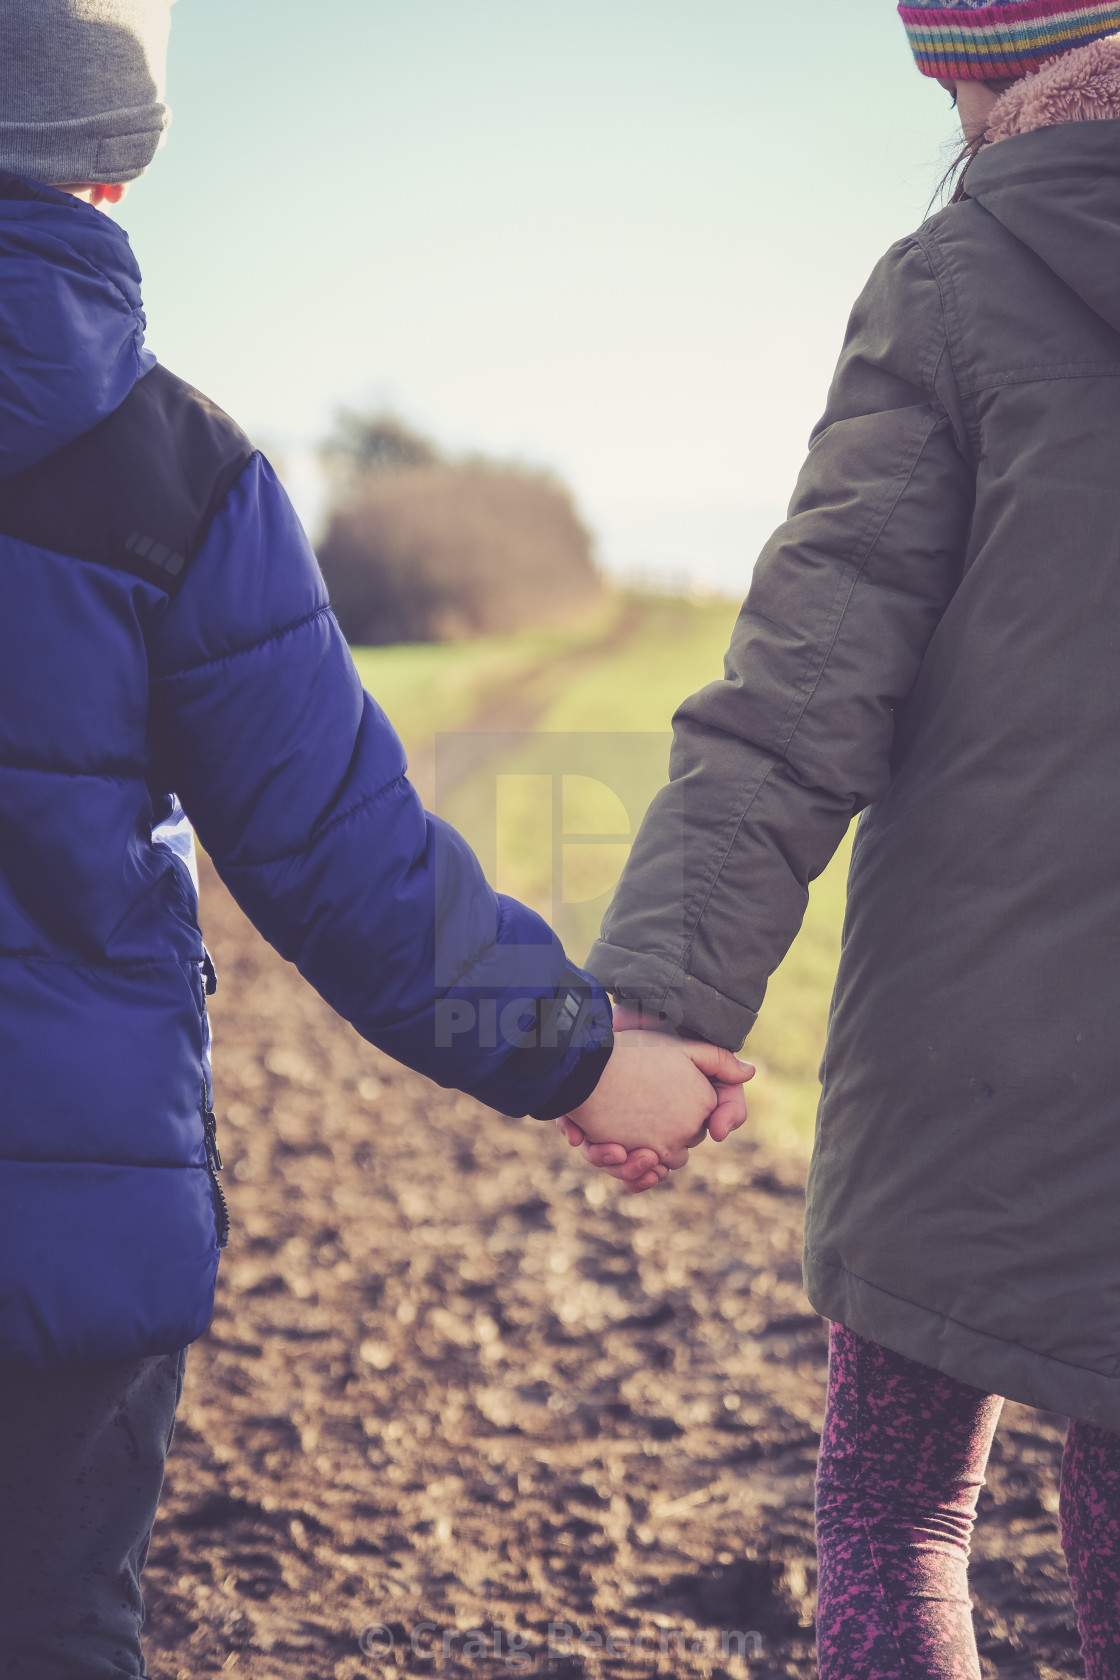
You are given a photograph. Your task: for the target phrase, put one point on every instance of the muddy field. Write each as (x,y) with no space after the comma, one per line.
(466,1409)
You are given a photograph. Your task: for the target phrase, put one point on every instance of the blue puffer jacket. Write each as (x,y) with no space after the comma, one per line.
(165,637)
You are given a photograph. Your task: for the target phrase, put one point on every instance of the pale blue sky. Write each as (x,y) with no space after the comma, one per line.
(619,237)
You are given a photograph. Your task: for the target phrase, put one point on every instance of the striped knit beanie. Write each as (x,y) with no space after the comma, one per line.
(81,88)
(972,41)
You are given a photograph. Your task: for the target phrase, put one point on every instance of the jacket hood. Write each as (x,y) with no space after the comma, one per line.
(1050,173)
(71,321)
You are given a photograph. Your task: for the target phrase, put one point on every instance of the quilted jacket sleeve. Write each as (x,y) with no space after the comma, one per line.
(296,784)
(769,765)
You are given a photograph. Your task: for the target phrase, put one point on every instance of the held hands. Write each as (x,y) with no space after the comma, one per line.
(657,1099)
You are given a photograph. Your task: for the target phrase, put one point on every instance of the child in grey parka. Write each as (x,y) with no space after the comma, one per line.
(933,639)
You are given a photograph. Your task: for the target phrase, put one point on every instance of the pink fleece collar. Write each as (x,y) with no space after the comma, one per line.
(1079,86)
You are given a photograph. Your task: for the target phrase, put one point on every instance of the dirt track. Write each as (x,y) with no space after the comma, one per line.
(455,1379)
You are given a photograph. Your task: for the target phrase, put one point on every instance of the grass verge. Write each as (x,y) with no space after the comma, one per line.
(614,676)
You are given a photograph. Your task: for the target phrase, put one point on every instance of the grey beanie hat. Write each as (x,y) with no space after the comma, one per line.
(81,88)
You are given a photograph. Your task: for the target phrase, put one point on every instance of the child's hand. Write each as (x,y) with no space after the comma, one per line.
(635,1169)
(657,1098)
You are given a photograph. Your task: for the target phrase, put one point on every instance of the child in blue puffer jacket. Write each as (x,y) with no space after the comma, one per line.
(167,647)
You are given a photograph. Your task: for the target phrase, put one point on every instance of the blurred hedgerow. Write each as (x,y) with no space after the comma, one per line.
(421,547)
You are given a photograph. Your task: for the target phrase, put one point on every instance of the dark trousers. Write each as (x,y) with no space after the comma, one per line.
(81,1465)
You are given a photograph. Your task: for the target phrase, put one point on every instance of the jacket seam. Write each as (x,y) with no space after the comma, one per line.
(951,319)
(879,520)
(935,350)
(249,647)
(321,833)
(1047,373)
(76,775)
(124,964)
(1006,1341)
(99,1161)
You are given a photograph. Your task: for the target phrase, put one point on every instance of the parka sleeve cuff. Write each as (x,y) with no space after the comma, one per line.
(690,1006)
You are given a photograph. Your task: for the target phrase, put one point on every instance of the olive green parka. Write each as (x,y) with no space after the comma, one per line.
(933,638)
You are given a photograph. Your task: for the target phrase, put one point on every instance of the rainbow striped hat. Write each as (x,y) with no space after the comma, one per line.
(972,41)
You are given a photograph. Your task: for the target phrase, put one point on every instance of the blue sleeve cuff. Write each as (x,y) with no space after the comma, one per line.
(577,1085)
(565,1043)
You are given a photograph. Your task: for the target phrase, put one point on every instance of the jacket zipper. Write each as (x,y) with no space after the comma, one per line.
(214,1167)
(214,1162)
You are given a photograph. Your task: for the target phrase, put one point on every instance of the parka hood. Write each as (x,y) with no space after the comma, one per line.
(1058,191)
(71,321)
(1050,172)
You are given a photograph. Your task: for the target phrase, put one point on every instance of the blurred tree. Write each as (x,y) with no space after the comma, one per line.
(363,443)
(421,548)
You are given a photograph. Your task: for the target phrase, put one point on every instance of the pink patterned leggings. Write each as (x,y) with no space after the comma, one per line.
(902,1461)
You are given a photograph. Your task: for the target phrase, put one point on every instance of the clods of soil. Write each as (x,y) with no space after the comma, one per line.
(465,1409)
